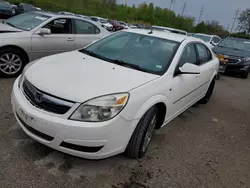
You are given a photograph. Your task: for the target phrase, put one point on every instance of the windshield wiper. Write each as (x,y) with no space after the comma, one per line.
(125,64)
(10,24)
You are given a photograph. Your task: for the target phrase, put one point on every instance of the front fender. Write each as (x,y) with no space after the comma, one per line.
(133,113)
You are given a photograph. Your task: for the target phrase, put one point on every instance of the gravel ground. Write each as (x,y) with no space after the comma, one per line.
(208,146)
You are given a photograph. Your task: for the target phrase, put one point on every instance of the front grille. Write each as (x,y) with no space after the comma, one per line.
(45,101)
(233,61)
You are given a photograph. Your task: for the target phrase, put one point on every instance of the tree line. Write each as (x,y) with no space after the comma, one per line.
(144,13)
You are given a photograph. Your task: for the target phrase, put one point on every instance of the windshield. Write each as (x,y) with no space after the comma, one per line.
(146,53)
(203,37)
(27,21)
(238,44)
(103,21)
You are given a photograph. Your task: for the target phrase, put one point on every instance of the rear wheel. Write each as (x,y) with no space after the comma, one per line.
(209,93)
(142,136)
(12,62)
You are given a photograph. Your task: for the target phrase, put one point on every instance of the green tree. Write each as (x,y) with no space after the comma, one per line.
(244,21)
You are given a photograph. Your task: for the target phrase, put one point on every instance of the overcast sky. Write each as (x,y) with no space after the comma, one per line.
(221,10)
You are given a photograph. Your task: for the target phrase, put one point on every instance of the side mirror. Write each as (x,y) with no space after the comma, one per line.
(189,68)
(44,31)
(213,43)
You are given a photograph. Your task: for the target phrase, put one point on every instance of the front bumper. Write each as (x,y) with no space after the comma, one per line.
(233,68)
(82,139)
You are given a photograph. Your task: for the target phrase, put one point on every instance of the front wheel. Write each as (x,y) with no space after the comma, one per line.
(142,135)
(244,75)
(12,62)
(209,93)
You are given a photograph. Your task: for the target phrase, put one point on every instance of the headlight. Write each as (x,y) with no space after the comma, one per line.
(246,58)
(24,70)
(101,109)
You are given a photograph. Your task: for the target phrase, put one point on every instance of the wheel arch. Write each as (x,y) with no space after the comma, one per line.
(17,48)
(160,101)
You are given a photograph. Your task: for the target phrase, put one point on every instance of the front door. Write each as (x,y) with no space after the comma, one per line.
(60,40)
(184,86)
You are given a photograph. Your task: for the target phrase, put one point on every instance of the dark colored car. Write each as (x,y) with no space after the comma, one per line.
(23,7)
(116,25)
(234,56)
(6,10)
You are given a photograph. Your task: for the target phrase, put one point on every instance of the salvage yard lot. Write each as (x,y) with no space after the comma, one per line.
(206,146)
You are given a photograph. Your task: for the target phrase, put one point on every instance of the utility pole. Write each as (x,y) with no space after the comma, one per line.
(201,13)
(184,7)
(236,16)
(171,4)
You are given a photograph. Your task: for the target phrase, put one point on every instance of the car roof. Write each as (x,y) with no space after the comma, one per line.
(160,34)
(168,28)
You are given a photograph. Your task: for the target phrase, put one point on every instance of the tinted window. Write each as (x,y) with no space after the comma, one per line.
(94,19)
(216,39)
(188,56)
(203,53)
(83,27)
(27,21)
(151,54)
(60,26)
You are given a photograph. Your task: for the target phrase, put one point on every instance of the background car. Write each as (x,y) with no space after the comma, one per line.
(234,56)
(6,10)
(132,25)
(103,22)
(83,16)
(23,7)
(33,35)
(124,24)
(211,40)
(116,25)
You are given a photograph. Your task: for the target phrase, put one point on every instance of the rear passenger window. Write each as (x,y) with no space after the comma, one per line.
(83,27)
(204,54)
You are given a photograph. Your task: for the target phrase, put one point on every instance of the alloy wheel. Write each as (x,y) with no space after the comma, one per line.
(10,63)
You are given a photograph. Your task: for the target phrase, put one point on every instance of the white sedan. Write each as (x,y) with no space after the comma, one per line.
(109,97)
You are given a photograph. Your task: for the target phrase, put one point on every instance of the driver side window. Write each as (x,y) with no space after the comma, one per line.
(60,26)
(188,56)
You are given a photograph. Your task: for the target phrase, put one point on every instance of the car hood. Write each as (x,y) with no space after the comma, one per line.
(4,28)
(231,52)
(107,24)
(78,77)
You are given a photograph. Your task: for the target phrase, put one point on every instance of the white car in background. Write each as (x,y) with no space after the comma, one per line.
(103,22)
(124,24)
(210,40)
(109,97)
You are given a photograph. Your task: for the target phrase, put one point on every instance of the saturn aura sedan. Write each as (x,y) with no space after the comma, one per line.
(33,35)
(109,97)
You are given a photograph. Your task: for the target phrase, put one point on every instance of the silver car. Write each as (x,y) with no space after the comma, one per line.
(33,35)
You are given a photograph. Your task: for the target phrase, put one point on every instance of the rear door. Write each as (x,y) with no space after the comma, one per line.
(207,66)
(60,40)
(85,33)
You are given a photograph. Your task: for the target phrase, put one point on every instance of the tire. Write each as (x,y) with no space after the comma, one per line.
(209,93)
(12,62)
(142,136)
(244,75)
(218,76)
